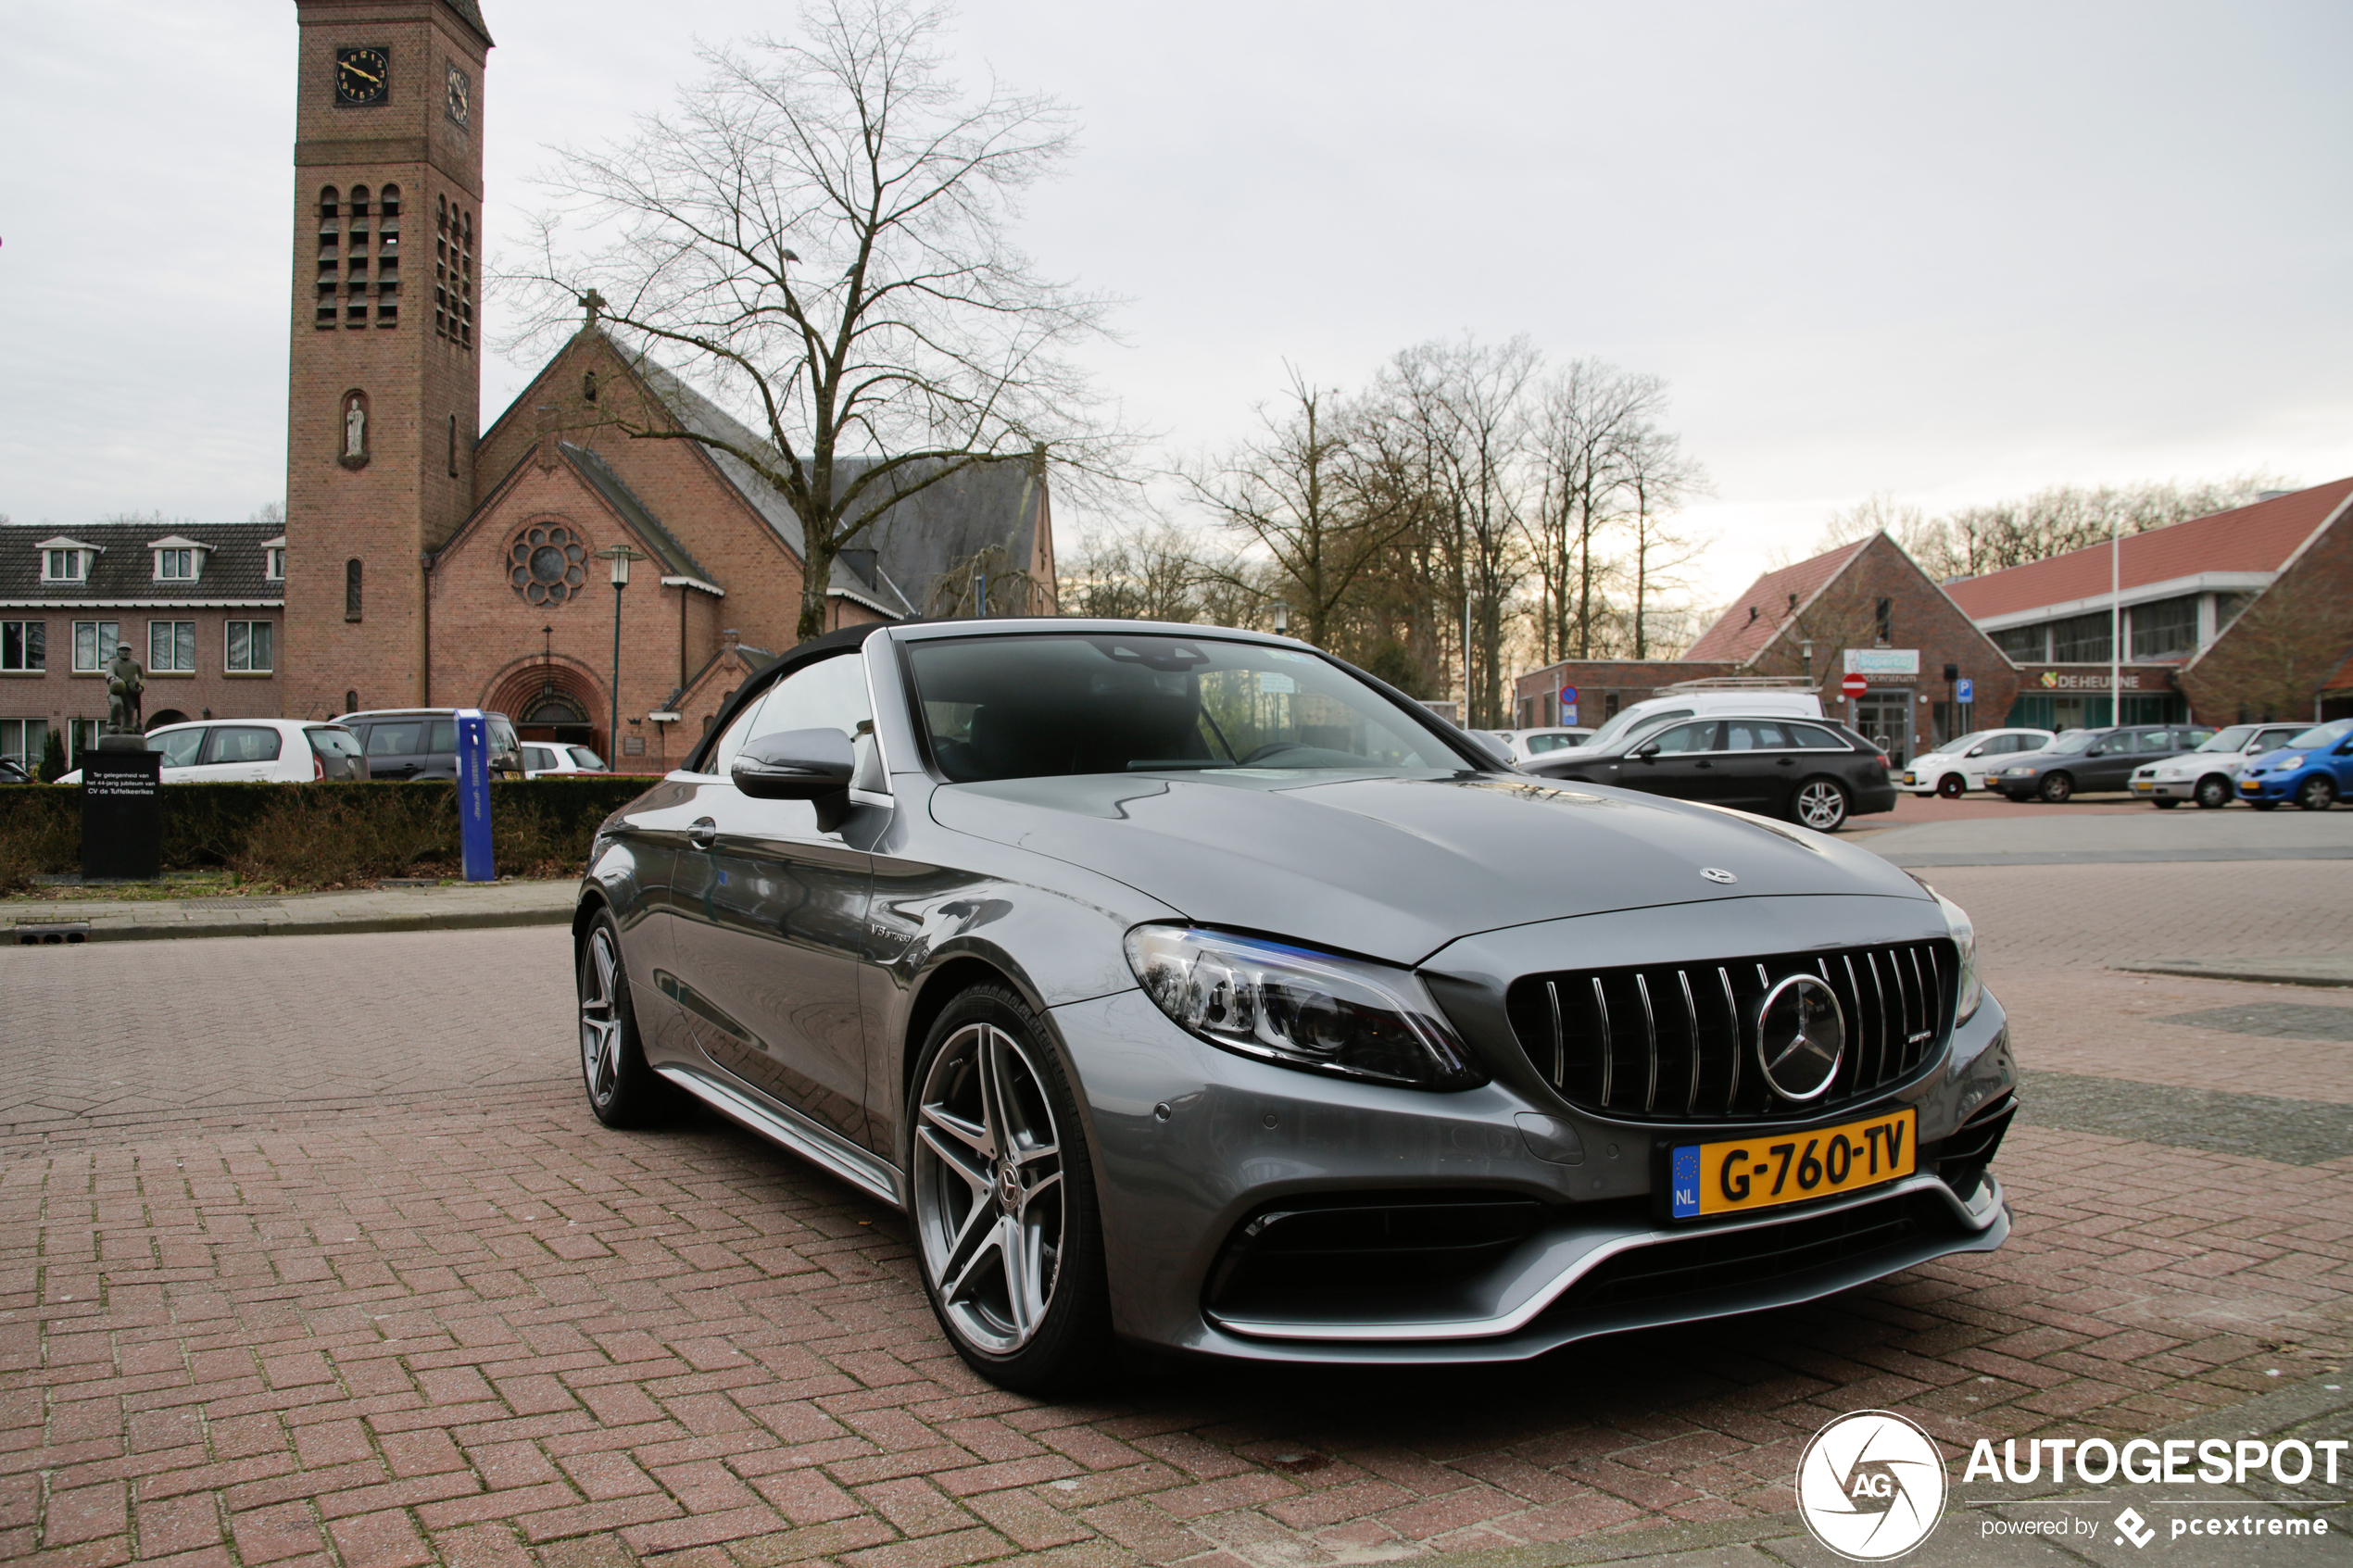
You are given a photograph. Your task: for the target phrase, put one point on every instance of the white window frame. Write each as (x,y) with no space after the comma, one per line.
(274,563)
(77,565)
(227,647)
(180,644)
(25,668)
(167,559)
(106,637)
(26,729)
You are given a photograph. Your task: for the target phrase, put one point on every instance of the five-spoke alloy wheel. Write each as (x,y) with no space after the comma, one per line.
(1003,1205)
(623,1090)
(1821,804)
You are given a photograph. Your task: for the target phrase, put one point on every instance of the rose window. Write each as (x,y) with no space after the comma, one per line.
(548,564)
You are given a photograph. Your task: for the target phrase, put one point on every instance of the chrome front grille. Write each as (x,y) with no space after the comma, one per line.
(1678,1042)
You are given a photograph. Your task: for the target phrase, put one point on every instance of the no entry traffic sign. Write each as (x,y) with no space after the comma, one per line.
(1854,685)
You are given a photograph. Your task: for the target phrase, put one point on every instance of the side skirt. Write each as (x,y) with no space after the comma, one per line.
(782,1124)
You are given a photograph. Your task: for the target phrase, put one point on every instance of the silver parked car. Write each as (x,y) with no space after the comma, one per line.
(2209,775)
(1189,987)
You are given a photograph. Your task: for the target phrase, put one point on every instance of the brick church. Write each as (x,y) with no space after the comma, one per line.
(432,563)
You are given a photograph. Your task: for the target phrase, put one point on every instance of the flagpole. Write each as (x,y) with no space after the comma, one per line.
(2115,621)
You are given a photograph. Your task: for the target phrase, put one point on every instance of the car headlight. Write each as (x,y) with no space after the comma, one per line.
(1298,1008)
(2018,772)
(1963,931)
(2287,764)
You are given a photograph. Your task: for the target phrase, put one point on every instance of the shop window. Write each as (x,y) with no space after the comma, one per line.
(2080,639)
(2165,628)
(2024,645)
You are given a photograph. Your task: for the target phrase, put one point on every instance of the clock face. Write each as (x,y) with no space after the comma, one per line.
(364,76)
(460,99)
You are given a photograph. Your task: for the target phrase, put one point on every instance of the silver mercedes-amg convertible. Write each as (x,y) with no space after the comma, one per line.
(1192,988)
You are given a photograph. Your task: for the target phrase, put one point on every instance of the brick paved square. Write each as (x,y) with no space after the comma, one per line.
(365,1284)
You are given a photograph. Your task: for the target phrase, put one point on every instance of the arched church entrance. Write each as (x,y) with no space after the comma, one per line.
(548,703)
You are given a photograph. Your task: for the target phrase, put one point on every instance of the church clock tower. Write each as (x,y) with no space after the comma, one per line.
(386,393)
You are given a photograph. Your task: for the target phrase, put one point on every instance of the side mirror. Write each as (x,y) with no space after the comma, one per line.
(794,765)
(1647,750)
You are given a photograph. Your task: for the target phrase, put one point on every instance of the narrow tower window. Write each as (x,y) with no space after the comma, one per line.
(351,590)
(389,256)
(466,281)
(357,253)
(453,446)
(330,253)
(441,267)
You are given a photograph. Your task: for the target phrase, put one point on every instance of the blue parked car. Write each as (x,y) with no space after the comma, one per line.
(2315,770)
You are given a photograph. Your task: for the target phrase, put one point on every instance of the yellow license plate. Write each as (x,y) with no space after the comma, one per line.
(1731,1174)
(2142,786)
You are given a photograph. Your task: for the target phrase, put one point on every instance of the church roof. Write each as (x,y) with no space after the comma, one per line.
(673,556)
(470,13)
(1774,599)
(229,567)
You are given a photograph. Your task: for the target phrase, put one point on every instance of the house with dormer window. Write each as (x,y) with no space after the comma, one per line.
(201,608)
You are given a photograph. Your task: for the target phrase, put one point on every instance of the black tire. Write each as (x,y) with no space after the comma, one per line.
(623,1090)
(2056,788)
(2316,794)
(1821,804)
(2165,805)
(1952,787)
(966,1193)
(2213,793)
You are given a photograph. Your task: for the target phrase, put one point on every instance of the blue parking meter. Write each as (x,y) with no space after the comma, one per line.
(473,794)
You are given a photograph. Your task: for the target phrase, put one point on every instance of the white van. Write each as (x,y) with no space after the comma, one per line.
(1654,712)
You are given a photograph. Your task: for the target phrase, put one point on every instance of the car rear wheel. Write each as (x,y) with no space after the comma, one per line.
(1004,1199)
(1821,804)
(2316,794)
(1952,787)
(2213,793)
(2056,788)
(623,1090)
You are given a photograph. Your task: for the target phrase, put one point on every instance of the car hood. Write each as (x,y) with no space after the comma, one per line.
(1396,867)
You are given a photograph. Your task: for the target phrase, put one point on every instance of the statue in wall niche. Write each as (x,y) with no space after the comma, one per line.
(126,680)
(355,429)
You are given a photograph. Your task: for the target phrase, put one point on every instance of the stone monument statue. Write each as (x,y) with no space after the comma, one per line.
(354,429)
(126,680)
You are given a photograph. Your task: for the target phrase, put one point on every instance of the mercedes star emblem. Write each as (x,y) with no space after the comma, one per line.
(1717,873)
(1801,1035)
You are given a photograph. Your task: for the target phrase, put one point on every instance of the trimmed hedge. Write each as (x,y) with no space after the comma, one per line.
(325,835)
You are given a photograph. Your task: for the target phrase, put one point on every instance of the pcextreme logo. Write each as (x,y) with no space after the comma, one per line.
(1870,1486)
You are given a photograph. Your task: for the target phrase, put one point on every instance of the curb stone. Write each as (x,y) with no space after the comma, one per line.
(306,914)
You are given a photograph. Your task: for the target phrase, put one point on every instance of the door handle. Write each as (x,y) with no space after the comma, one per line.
(1704,764)
(1785,761)
(702,833)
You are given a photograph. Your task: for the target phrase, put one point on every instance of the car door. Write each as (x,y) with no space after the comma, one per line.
(768,915)
(182,750)
(1679,761)
(440,758)
(243,753)
(395,749)
(1757,769)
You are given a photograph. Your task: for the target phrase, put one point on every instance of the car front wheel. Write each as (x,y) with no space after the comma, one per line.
(2316,794)
(1952,787)
(1004,1199)
(2056,788)
(1821,804)
(2213,793)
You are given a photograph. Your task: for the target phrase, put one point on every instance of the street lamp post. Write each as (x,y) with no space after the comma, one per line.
(1282,618)
(620,556)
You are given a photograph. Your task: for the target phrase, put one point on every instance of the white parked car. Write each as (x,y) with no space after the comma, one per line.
(1960,764)
(253,751)
(1652,712)
(1528,745)
(543,757)
(2209,775)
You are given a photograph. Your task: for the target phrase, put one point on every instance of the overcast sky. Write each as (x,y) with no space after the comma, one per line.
(1955,252)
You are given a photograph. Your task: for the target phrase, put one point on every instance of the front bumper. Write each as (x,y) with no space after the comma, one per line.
(2164,789)
(2271,786)
(1193,1144)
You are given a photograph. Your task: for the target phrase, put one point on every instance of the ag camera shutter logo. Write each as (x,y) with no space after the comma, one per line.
(1870,1486)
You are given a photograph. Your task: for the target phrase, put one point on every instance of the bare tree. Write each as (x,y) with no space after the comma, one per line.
(820,229)
(1976,540)
(1287,491)
(1591,418)
(1149,571)
(1659,477)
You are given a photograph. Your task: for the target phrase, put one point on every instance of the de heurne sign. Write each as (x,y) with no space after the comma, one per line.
(121,815)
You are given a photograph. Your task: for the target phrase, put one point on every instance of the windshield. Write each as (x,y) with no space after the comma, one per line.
(1030,707)
(2324,734)
(2232,739)
(2082,740)
(1626,722)
(1963,743)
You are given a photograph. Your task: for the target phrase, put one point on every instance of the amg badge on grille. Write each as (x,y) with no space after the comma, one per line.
(1717,873)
